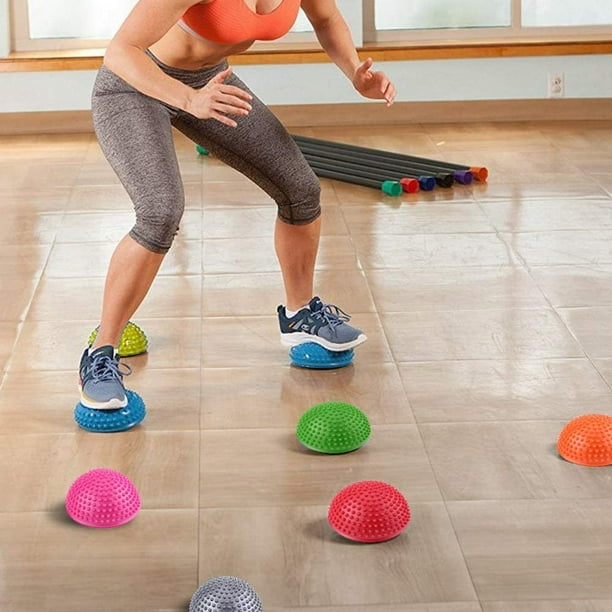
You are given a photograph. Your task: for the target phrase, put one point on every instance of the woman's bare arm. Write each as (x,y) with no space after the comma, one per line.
(336,39)
(148,21)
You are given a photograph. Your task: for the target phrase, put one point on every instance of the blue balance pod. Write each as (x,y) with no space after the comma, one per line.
(313,355)
(108,421)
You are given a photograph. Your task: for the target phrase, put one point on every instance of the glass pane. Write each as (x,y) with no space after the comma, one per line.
(92,18)
(566,12)
(428,14)
(77,18)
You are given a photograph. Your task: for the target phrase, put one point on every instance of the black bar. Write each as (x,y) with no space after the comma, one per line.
(393,187)
(408,183)
(444,179)
(478,172)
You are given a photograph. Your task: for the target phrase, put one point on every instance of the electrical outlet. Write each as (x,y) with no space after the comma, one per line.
(556,86)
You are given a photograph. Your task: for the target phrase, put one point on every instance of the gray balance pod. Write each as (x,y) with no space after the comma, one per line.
(225,594)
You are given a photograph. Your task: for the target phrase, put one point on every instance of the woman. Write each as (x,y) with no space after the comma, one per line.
(167,67)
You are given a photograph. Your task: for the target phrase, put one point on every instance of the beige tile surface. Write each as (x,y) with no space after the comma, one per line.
(303,562)
(523,550)
(555,605)
(73,568)
(274,469)
(259,293)
(574,286)
(263,397)
(504,390)
(478,334)
(459,288)
(54,461)
(508,460)
(487,310)
(590,327)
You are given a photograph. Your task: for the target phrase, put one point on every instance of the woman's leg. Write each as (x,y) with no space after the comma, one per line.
(296,248)
(131,272)
(261,148)
(135,134)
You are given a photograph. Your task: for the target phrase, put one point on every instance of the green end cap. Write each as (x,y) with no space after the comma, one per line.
(333,428)
(392,188)
(133,340)
(202,150)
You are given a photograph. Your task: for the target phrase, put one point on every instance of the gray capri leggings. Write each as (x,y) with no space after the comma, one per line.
(135,133)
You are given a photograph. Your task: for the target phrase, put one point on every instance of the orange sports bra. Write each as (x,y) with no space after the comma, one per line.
(229,22)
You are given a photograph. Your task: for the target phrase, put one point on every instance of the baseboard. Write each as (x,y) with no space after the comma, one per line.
(358,114)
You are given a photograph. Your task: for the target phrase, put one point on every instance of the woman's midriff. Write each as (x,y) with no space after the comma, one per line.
(181,50)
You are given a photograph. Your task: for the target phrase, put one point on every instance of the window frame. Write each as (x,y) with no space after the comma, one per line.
(359,16)
(514,32)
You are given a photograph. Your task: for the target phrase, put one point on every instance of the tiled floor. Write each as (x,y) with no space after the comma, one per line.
(489,315)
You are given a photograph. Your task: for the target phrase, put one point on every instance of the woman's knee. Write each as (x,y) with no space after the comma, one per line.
(156,226)
(303,203)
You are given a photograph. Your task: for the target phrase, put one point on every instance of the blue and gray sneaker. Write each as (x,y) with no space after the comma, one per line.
(324,324)
(101,380)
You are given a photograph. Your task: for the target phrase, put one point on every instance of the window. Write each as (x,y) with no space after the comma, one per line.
(566,12)
(432,14)
(74,24)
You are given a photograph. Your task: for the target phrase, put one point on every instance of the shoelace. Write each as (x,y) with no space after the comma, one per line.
(332,315)
(105,368)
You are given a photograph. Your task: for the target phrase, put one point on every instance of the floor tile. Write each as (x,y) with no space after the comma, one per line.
(250,294)
(81,298)
(555,605)
(507,460)
(590,327)
(478,334)
(550,215)
(263,397)
(49,552)
(432,250)
(575,247)
(227,256)
(417,219)
(544,549)
(575,285)
(459,288)
(44,466)
(510,390)
(259,342)
(305,563)
(274,469)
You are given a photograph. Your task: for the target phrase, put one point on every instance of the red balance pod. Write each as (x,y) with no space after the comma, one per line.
(369,511)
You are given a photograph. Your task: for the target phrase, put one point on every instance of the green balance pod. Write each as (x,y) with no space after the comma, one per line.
(333,428)
(133,340)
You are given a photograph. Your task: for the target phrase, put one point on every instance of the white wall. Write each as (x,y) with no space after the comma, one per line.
(586,76)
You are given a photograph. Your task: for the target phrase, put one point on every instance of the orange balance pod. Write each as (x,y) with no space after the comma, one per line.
(587,440)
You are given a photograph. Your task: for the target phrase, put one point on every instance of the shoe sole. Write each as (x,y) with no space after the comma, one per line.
(111,404)
(297,338)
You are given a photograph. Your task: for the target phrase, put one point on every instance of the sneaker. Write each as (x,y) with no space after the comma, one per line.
(101,380)
(324,324)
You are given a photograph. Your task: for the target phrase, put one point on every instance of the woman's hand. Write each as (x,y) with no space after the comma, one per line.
(216,100)
(372,84)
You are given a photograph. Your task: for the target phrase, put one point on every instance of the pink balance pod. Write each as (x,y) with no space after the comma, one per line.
(587,440)
(369,511)
(102,498)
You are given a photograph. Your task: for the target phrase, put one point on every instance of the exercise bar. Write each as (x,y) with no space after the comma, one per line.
(389,187)
(444,178)
(479,173)
(426,181)
(410,184)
